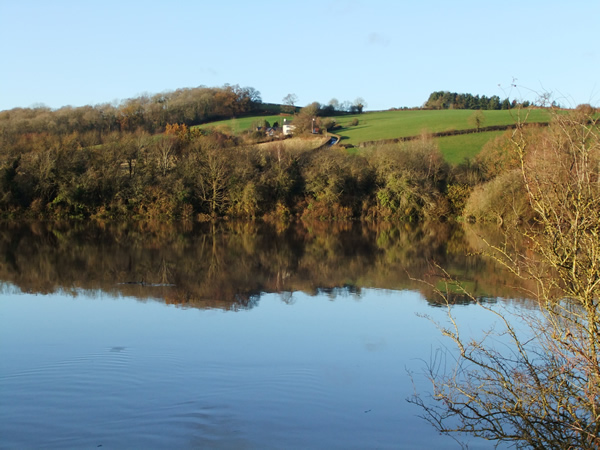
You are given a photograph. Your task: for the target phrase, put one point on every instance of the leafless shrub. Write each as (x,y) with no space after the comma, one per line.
(534,381)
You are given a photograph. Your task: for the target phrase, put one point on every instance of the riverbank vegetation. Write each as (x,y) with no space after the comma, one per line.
(146,160)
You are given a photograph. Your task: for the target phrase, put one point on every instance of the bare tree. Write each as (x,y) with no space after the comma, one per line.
(534,381)
(358,105)
(165,155)
(215,170)
(289,102)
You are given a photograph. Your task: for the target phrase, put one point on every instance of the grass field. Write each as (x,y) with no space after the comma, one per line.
(392,124)
(457,148)
(373,126)
(243,123)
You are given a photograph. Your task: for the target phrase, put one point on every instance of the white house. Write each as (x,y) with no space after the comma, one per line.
(288,128)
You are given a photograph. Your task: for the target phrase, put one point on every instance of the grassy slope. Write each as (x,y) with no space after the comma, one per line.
(243,123)
(392,124)
(457,148)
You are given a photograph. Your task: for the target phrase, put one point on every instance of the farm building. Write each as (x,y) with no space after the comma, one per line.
(288,128)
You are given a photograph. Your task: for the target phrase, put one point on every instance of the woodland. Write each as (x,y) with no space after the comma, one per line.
(145,159)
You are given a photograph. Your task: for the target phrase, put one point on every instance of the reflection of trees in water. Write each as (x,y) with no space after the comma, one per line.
(458,299)
(287,297)
(229,265)
(343,291)
(209,241)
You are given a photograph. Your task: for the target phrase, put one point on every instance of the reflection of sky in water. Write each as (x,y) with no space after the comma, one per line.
(295,372)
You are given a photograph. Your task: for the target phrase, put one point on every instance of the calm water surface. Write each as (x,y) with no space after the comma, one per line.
(171,363)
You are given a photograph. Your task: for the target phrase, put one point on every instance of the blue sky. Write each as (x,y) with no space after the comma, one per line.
(391,53)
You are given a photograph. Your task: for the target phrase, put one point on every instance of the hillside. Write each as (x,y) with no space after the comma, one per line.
(380,125)
(393,124)
(239,125)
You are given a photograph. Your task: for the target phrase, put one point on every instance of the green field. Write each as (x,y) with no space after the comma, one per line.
(243,123)
(392,124)
(457,148)
(374,126)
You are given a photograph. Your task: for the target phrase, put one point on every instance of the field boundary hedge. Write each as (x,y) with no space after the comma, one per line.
(449,133)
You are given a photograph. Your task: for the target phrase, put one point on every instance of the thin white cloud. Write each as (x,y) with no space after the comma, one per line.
(210,71)
(378,39)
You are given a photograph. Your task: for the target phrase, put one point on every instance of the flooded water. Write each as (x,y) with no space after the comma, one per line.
(223,337)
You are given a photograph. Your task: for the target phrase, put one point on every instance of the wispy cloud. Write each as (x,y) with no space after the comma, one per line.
(209,71)
(378,39)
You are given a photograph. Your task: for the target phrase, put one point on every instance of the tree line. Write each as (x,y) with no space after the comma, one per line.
(188,174)
(452,100)
(188,106)
(332,108)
